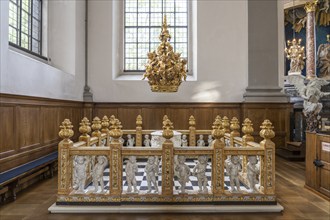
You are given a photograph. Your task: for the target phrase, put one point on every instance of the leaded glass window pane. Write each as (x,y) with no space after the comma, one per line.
(25,24)
(143,20)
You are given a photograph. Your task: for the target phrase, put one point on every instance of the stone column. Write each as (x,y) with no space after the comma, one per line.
(263,78)
(310,39)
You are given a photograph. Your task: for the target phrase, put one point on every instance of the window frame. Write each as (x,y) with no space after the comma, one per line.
(30,34)
(118,42)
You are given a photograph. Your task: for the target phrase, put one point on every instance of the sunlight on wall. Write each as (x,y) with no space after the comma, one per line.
(209,91)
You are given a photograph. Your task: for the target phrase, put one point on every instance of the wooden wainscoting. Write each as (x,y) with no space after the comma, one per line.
(29,127)
(204,113)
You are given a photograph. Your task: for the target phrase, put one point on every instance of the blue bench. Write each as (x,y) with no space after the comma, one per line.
(10,179)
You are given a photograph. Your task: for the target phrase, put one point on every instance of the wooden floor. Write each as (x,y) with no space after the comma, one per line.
(298,202)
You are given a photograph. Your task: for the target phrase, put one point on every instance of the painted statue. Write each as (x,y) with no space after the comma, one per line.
(311,93)
(131,169)
(233,170)
(80,172)
(152,170)
(210,140)
(183,172)
(130,141)
(97,174)
(147,141)
(184,141)
(252,172)
(200,141)
(200,172)
(323,60)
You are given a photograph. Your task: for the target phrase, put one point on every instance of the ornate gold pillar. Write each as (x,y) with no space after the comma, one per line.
(167,158)
(310,39)
(218,160)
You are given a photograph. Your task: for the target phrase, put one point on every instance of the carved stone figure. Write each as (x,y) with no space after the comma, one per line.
(184,141)
(323,60)
(252,173)
(80,172)
(200,171)
(98,170)
(131,169)
(311,93)
(152,170)
(130,141)
(147,141)
(210,140)
(233,170)
(200,141)
(183,172)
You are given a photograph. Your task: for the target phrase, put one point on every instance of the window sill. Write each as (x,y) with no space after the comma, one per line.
(28,53)
(131,77)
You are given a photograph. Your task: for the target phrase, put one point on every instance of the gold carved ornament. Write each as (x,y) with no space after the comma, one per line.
(66,131)
(311,6)
(165,68)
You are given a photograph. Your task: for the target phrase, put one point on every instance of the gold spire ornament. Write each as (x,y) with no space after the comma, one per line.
(165,69)
(296,53)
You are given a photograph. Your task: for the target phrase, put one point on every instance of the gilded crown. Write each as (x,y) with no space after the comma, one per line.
(165,69)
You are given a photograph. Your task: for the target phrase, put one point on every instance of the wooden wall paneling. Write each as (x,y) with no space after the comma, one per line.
(179,117)
(127,117)
(104,110)
(50,124)
(7,134)
(204,118)
(77,115)
(152,117)
(28,126)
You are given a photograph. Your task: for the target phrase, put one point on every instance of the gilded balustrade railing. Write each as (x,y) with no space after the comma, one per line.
(232,169)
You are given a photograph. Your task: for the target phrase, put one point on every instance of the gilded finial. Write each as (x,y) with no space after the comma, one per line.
(192,121)
(139,121)
(167,129)
(66,131)
(225,124)
(267,130)
(234,126)
(96,126)
(165,69)
(247,129)
(328,38)
(116,131)
(105,124)
(85,127)
(217,132)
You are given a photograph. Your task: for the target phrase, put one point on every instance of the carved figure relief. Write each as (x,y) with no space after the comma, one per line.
(98,170)
(200,141)
(147,141)
(184,141)
(131,169)
(183,172)
(210,140)
(311,93)
(233,169)
(130,141)
(253,173)
(152,170)
(80,173)
(200,172)
(323,60)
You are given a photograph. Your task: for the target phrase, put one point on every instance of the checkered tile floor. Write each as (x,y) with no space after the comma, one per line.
(141,178)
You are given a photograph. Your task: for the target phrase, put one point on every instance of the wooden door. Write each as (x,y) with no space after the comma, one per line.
(323,171)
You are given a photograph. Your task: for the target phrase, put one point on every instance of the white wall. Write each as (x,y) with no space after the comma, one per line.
(63,77)
(222,57)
